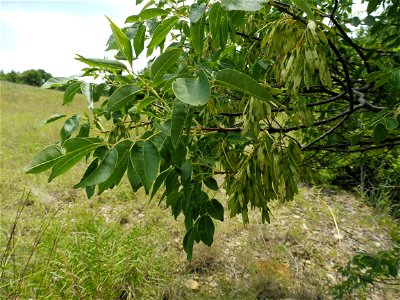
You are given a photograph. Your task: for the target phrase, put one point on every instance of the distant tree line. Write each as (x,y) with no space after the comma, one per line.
(30,77)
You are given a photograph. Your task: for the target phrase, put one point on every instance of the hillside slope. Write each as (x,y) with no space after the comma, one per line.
(120,246)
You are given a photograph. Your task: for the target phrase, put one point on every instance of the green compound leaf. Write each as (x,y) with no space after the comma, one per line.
(138,41)
(102,63)
(188,241)
(123,149)
(145,160)
(390,123)
(77,148)
(50,119)
(163,62)
(239,81)
(121,97)
(380,133)
(180,114)
(44,160)
(124,44)
(161,31)
(197,35)
(206,229)
(215,210)
(196,12)
(304,6)
(193,91)
(146,14)
(214,21)
(71,91)
(102,172)
(70,126)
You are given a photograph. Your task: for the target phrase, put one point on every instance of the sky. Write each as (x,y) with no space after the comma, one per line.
(48,34)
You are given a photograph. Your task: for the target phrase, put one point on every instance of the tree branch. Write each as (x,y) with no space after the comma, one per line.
(346,72)
(326,133)
(352,44)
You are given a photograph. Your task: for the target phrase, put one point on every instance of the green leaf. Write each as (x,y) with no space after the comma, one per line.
(372,5)
(77,148)
(138,41)
(87,91)
(79,142)
(356,139)
(392,269)
(55,81)
(374,76)
(206,229)
(197,35)
(50,119)
(382,81)
(215,210)
(163,62)
(71,91)
(90,189)
(196,12)
(134,179)
(380,133)
(239,81)
(132,19)
(123,42)
(70,126)
(102,172)
(44,160)
(304,6)
(390,123)
(102,63)
(180,113)
(151,13)
(355,21)
(98,91)
(188,242)
(144,103)
(159,181)
(236,19)
(186,170)
(369,20)
(123,149)
(146,14)
(211,183)
(84,130)
(214,21)
(146,159)
(247,5)
(193,91)
(161,31)
(121,97)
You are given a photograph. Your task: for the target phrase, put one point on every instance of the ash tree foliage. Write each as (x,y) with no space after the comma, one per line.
(249,96)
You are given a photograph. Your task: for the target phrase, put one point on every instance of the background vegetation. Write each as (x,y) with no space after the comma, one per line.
(30,77)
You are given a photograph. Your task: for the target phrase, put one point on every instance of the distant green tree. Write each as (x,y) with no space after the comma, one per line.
(34,77)
(11,76)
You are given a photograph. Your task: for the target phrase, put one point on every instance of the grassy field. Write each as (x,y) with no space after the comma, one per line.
(120,246)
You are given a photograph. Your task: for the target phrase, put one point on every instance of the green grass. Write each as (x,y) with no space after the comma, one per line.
(120,246)
(65,246)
